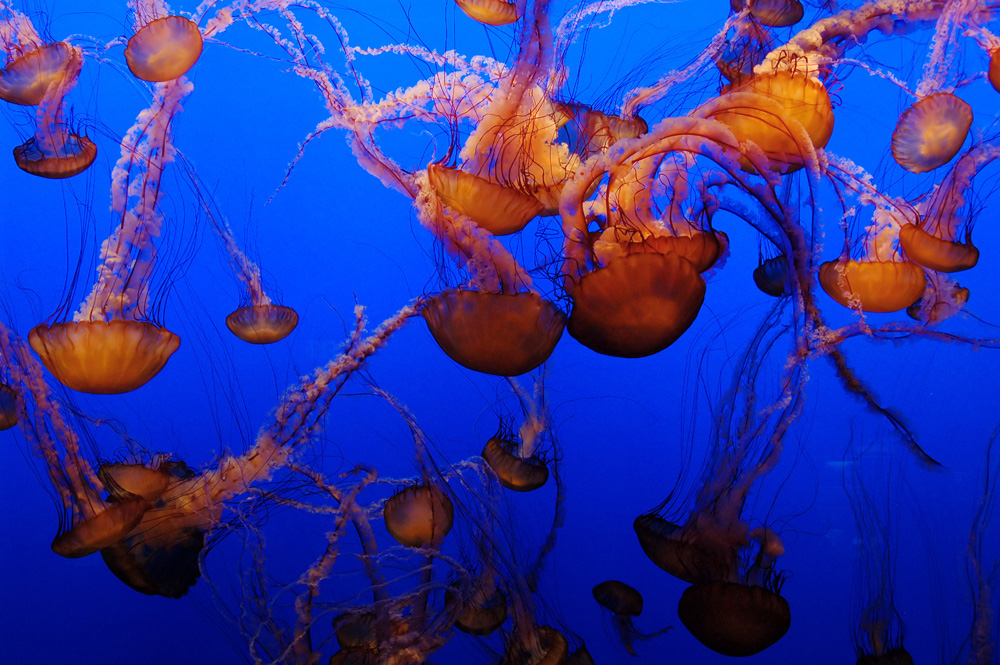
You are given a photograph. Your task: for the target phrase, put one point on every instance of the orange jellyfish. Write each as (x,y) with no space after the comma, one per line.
(931,132)
(490,12)
(993,71)
(163,49)
(111,346)
(42,74)
(419,515)
(623,602)
(514,471)
(8,407)
(772,108)
(941,238)
(773,13)
(881,280)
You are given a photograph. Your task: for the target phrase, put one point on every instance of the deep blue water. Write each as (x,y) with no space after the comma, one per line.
(628,430)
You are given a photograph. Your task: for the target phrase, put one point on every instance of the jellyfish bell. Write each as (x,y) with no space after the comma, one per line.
(702,249)
(355,630)
(619,597)
(499,209)
(514,472)
(935,253)
(490,12)
(494,333)
(103,529)
(103,357)
(262,324)
(664,544)
(762,116)
(877,286)
(936,305)
(123,481)
(635,306)
(771,277)
(419,515)
(993,69)
(734,619)
(483,614)
(931,132)
(26,78)
(8,407)
(74,157)
(772,13)
(163,49)
(545,646)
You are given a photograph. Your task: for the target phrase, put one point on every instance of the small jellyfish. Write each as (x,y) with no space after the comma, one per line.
(623,602)
(514,472)
(8,407)
(771,276)
(931,132)
(494,333)
(262,324)
(163,49)
(419,515)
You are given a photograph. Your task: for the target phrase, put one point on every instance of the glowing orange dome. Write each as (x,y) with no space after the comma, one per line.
(262,324)
(101,357)
(636,306)
(931,132)
(164,49)
(498,209)
(76,155)
(493,333)
(993,73)
(931,252)
(25,79)
(515,473)
(490,12)
(802,97)
(880,286)
(734,619)
(418,516)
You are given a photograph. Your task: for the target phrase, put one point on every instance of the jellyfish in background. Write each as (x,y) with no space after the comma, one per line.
(623,602)
(734,604)
(41,74)
(879,629)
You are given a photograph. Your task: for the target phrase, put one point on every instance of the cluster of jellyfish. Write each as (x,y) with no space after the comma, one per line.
(628,198)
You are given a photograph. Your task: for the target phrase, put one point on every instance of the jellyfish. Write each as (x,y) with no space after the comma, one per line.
(881,280)
(772,13)
(941,239)
(41,74)
(623,602)
(931,132)
(419,515)
(163,48)
(8,407)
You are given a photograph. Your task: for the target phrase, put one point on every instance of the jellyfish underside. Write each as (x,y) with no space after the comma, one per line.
(75,155)
(636,306)
(262,324)
(419,515)
(163,49)
(773,13)
(498,209)
(934,253)
(107,527)
(663,543)
(879,286)
(489,12)
(25,79)
(515,473)
(103,357)
(493,333)
(701,249)
(931,132)
(734,619)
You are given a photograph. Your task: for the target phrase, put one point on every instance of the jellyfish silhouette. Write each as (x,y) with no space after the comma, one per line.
(623,602)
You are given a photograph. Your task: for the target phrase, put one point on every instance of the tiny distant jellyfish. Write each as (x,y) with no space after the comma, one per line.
(623,602)
(494,333)
(772,13)
(544,646)
(771,276)
(262,324)
(931,132)
(490,12)
(40,74)
(520,474)
(163,49)
(8,407)
(419,515)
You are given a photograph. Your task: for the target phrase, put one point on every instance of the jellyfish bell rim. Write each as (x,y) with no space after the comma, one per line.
(499,209)
(514,473)
(43,65)
(494,333)
(158,33)
(30,159)
(734,619)
(867,283)
(416,502)
(85,355)
(932,252)
(636,306)
(262,324)
(490,12)
(910,145)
